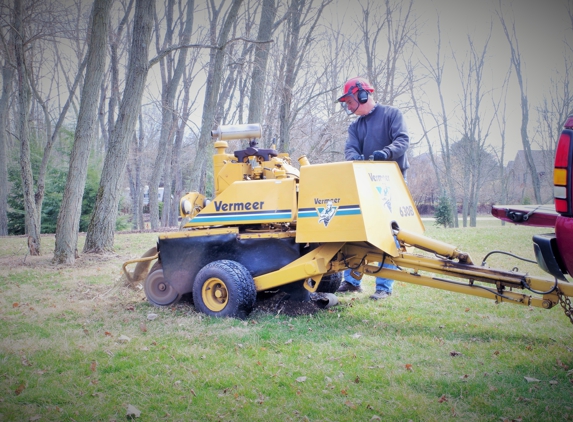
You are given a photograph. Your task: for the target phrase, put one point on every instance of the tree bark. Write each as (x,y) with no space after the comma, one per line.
(168,127)
(516,62)
(24,97)
(7,80)
(268,13)
(100,235)
(213,86)
(70,211)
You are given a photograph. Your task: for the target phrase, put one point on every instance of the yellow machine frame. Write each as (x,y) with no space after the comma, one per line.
(358,215)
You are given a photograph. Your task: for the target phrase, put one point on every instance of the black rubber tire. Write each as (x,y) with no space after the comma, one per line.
(153,285)
(330,283)
(233,281)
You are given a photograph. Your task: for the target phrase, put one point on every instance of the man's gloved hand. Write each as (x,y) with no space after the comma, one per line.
(380,155)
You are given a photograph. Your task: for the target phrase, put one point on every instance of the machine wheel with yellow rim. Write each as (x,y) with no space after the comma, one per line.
(158,291)
(224,289)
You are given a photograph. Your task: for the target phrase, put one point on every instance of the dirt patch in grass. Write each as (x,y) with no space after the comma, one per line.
(280,304)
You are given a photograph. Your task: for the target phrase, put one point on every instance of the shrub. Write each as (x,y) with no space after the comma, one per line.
(443,212)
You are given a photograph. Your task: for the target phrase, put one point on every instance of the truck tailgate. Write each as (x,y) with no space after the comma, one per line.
(530,215)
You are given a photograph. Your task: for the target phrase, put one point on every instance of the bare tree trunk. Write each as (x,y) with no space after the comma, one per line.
(101,229)
(168,125)
(7,80)
(297,48)
(114,39)
(516,62)
(136,188)
(258,78)
(176,160)
(70,211)
(437,74)
(24,97)
(213,85)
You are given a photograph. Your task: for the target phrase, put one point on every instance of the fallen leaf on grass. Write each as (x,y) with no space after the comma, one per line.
(562,365)
(123,339)
(454,353)
(529,379)
(132,412)
(108,334)
(25,361)
(143,327)
(442,399)
(35,418)
(553,382)
(301,379)
(20,388)
(289,341)
(467,309)
(15,305)
(357,379)
(408,367)
(496,352)
(356,335)
(350,404)
(93,366)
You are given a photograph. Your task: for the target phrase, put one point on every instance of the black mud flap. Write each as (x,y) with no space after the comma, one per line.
(547,255)
(183,257)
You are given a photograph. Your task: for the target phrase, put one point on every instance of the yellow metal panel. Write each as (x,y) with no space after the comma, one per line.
(355,201)
(229,173)
(328,204)
(250,202)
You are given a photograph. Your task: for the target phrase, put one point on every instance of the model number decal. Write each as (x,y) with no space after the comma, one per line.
(407,211)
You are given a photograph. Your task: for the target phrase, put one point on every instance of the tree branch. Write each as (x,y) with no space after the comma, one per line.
(169,50)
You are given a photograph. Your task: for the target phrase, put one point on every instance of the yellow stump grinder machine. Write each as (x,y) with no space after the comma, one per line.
(271,226)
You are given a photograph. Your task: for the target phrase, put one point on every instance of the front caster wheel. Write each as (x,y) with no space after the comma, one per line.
(158,291)
(224,289)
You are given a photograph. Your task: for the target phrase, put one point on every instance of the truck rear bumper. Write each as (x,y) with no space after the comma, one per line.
(547,255)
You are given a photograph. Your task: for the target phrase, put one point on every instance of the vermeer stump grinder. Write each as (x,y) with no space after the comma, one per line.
(273,227)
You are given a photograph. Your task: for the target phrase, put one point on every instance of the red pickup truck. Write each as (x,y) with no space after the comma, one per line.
(553,251)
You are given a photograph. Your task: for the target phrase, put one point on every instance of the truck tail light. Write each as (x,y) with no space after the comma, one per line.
(563,171)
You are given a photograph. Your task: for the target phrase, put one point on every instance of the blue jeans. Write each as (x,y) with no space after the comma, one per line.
(384,284)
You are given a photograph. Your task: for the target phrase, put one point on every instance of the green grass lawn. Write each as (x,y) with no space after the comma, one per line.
(76,345)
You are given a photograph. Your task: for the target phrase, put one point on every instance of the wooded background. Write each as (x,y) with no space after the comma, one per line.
(108,101)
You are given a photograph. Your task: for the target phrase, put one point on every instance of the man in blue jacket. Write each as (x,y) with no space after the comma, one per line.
(379,133)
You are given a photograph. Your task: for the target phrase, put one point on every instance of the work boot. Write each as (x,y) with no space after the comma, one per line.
(347,287)
(380,294)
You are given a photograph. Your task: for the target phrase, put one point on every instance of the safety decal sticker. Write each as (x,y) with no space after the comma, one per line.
(326,214)
(386,196)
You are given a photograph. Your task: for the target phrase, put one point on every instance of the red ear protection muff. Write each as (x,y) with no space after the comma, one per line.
(361,94)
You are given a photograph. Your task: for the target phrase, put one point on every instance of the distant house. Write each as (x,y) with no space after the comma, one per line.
(146,194)
(519,183)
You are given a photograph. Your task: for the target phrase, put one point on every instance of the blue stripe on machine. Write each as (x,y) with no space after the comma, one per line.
(342,210)
(243,216)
